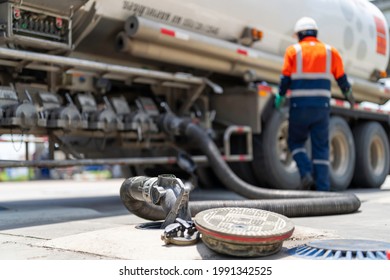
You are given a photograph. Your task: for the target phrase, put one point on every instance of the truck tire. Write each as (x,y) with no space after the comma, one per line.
(272,163)
(341,154)
(372,155)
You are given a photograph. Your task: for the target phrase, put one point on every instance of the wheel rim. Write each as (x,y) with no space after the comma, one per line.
(283,152)
(338,155)
(377,155)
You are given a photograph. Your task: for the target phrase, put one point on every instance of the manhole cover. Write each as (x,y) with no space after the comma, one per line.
(243,232)
(343,249)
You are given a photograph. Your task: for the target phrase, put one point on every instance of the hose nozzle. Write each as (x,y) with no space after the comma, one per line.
(165,190)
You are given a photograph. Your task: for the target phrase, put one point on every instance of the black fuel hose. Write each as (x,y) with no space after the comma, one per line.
(291,203)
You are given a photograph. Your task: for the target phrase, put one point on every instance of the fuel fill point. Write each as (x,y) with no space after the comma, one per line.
(243,232)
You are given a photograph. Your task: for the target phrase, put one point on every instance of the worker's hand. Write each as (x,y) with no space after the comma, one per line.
(279,101)
(349,96)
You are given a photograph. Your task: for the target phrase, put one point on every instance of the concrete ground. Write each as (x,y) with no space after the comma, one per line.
(74,220)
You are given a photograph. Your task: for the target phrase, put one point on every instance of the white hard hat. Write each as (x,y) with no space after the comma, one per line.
(305,23)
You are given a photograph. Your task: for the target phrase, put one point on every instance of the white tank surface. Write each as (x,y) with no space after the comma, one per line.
(356,28)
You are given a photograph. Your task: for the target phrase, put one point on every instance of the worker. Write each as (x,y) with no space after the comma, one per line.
(307,71)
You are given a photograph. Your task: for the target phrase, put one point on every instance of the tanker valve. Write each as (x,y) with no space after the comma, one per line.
(57,116)
(15,113)
(137,121)
(95,118)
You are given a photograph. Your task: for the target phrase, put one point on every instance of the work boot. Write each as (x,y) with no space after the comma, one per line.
(307,183)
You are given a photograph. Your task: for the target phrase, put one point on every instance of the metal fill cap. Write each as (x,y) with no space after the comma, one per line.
(243,231)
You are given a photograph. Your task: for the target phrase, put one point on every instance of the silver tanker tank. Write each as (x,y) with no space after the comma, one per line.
(356,28)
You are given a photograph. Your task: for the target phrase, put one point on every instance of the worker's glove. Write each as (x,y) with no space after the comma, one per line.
(279,101)
(349,96)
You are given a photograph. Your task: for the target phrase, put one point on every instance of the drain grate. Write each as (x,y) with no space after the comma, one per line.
(343,249)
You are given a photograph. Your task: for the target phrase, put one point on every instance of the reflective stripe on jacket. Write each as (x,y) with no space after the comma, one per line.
(308,69)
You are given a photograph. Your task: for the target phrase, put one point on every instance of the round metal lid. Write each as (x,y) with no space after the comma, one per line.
(244,225)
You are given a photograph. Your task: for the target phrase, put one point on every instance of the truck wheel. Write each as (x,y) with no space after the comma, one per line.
(273,164)
(341,154)
(372,155)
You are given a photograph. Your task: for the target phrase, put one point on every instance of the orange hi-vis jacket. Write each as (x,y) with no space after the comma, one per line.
(308,70)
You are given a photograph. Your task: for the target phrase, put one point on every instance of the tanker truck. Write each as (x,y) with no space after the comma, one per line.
(98,77)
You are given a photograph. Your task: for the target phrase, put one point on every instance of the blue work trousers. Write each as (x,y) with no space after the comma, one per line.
(313,122)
